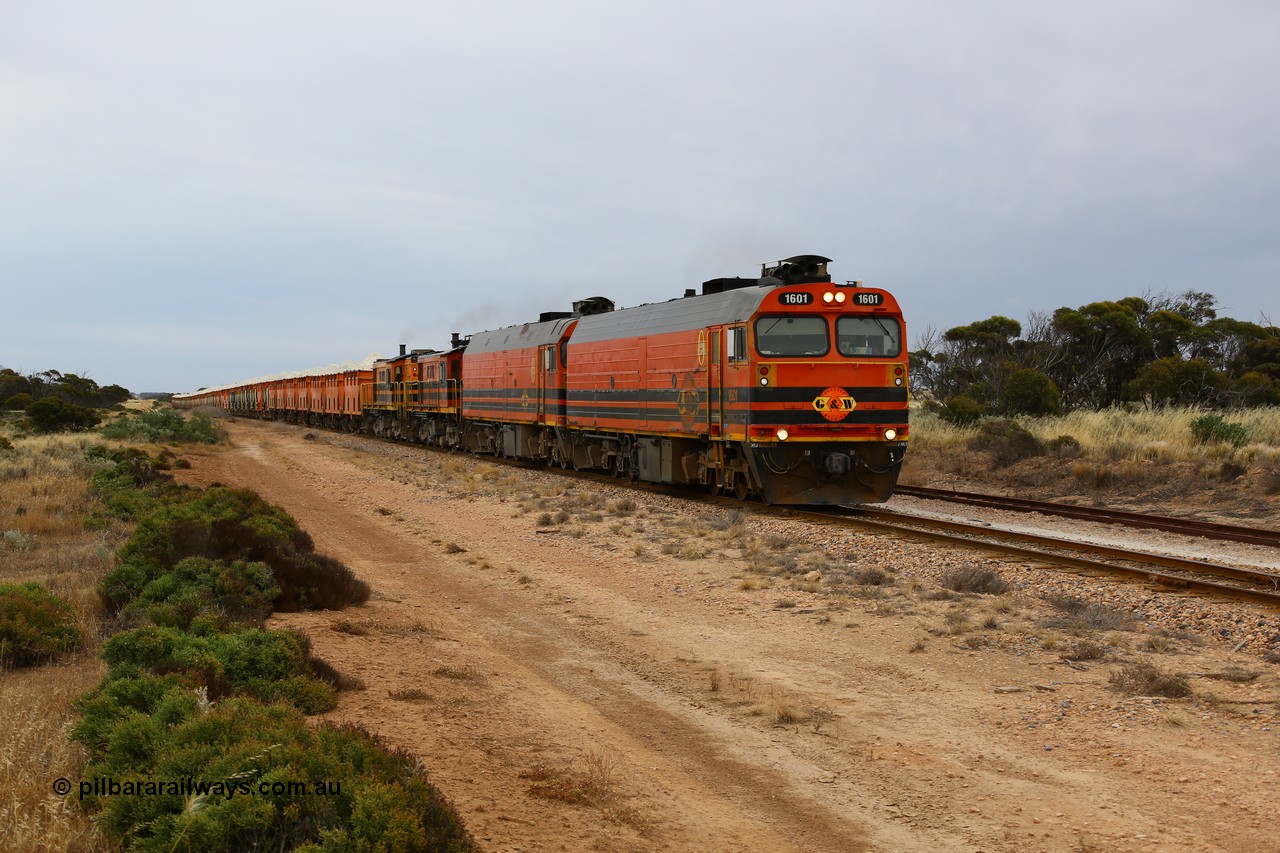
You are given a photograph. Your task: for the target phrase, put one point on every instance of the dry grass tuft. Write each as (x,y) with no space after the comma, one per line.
(1235,674)
(783,712)
(1078,616)
(593,785)
(1147,679)
(818,716)
(872,576)
(971,578)
(458,673)
(410,694)
(1088,650)
(350,626)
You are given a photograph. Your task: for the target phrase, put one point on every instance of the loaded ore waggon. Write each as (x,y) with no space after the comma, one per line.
(788,387)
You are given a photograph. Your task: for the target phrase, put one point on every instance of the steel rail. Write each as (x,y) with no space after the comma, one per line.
(1265,587)
(1185,526)
(1266,591)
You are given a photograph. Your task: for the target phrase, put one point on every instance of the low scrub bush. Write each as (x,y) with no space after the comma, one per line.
(218,714)
(1270,476)
(1006,441)
(975,579)
(51,414)
(1064,447)
(962,411)
(270,665)
(871,576)
(249,759)
(225,594)
(35,625)
(129,483)
(232,524)
(1080,616)
(1208,429)
(163,425)
(1147,679)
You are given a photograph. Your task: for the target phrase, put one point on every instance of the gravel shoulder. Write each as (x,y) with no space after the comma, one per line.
(586,667)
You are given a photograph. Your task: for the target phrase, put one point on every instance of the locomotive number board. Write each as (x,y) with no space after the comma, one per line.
(795,298)
(859,298)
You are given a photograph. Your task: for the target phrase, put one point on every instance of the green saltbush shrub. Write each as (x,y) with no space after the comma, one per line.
(162,425)
(232,524)
(962,411)
(224,594)
(270,665)
(1208,429)
(35,625)
(183,700)
(129,484)
(50,414)
(377,799)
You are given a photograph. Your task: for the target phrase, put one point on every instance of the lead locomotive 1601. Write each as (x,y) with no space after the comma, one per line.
(789,387)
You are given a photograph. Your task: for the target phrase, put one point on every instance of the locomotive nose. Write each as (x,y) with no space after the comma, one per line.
(837,463)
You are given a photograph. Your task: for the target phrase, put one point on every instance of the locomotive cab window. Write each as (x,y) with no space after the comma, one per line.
(738,343)
(869,336)
(791,335)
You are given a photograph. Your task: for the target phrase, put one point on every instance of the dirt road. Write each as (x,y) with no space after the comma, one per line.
(594,669)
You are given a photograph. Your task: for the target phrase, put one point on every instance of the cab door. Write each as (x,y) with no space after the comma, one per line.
(547,380)
(715,384)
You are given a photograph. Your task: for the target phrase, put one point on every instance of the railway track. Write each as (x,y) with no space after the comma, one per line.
(1168,572)
(1183,575)
(1182,526)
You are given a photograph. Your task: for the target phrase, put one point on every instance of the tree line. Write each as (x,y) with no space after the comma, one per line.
(1159,349)
(53,400)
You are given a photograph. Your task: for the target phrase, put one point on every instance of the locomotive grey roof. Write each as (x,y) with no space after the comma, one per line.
(677,315)
(514,337)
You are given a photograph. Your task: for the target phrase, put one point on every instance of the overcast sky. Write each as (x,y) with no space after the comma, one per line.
(197,193)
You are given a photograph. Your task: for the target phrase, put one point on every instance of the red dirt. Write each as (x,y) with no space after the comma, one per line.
(584,692)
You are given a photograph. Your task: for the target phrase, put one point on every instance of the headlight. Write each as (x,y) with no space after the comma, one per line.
(890,434)
(839,296)
(764,380)
(782,434)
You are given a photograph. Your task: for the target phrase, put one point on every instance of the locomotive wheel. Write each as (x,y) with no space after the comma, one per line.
(741,487)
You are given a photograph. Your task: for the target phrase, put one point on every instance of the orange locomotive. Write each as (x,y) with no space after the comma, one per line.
(788,387)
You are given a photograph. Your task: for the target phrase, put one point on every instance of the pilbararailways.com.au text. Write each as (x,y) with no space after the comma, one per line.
(109,787)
